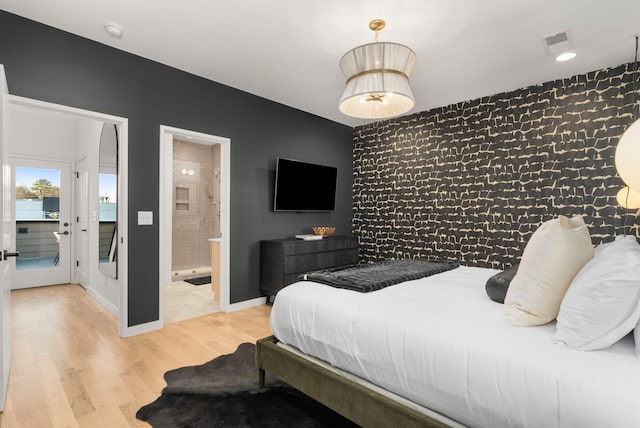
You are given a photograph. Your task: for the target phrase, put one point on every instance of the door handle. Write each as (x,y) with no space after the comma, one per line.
(6,254)
(66,232)
(83,230)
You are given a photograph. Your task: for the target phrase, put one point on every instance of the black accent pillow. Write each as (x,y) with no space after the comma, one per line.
(498,284)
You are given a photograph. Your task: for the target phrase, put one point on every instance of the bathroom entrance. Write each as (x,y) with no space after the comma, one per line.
(196,208)
(194,231)
(192,222)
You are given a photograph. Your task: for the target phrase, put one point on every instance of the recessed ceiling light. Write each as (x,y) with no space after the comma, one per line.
(566,56)
(114,30)
(559,46)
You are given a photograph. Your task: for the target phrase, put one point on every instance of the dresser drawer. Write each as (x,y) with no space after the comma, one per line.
(282,261)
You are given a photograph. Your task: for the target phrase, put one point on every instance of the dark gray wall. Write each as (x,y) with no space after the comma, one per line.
(51,65)
(472,181)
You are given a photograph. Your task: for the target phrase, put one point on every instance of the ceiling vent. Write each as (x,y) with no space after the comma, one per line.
(557,43)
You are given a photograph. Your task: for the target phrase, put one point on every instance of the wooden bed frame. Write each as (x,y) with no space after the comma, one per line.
(359,401)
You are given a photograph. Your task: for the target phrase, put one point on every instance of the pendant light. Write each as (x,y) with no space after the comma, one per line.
(628,198)
(628,151)
(377,78)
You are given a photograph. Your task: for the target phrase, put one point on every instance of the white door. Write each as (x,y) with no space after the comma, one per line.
(5,232)
(42,201)
(82,223)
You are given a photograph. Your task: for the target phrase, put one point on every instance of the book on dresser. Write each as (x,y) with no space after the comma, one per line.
(309,237)
(282,261)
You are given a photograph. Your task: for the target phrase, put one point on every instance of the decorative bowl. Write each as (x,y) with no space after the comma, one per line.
(324,230)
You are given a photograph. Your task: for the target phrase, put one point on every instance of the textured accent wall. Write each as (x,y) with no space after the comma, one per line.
(474,180)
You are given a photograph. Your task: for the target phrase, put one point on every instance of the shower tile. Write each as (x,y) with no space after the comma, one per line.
(196,167)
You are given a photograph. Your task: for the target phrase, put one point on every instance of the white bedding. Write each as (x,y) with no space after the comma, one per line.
(440,342)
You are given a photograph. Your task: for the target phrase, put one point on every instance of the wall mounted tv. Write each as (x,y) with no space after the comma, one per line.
(304,187)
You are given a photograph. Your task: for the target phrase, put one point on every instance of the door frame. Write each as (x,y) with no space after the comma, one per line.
(123,127)
(167,134)
(81,193)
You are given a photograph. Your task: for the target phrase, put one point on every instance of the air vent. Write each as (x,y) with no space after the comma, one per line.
(556,38)
(557,43)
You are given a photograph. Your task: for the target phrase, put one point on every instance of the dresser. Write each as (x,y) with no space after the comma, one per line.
(283,260)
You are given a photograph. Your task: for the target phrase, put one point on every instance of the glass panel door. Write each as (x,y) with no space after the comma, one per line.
(42,223)
(6,223)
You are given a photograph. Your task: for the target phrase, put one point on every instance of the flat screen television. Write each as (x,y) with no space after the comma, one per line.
(304,187)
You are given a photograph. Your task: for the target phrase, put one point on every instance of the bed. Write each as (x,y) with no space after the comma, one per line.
(437,351)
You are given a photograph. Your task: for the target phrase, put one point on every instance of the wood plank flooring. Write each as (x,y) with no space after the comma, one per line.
(71,369)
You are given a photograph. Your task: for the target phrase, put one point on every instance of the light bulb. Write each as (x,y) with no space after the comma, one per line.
(565,56)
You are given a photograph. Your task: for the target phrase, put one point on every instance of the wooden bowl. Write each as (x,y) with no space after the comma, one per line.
(325,231)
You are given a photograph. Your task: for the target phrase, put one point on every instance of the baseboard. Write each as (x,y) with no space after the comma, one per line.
(103,302)
(157,325)
(245,304)
(141,328)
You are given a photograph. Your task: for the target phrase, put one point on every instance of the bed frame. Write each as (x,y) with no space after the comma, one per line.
(356,399)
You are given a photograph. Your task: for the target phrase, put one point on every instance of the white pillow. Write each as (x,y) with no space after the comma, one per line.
(602,304)
(602,247)
(636,337)
(555,253)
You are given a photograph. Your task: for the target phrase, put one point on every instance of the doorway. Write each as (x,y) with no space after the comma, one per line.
(194,223)
(194,230)
(42,207)
(59,134)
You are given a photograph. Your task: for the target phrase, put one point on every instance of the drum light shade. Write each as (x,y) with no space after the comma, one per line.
(377,79)
(628,156)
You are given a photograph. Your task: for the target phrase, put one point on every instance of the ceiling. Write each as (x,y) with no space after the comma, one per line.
(288,50)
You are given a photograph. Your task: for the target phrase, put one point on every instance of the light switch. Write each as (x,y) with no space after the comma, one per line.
(145,218)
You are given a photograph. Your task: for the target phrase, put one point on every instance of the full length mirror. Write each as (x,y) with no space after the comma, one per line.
(108,204)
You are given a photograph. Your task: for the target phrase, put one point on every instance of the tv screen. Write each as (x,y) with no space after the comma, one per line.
(304,187)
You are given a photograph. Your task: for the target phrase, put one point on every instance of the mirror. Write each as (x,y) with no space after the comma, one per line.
(108,200)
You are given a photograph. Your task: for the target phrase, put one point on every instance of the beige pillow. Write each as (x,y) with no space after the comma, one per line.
(553,256)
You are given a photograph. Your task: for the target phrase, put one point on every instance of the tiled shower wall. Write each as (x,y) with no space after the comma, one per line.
(196,204)
(472,181)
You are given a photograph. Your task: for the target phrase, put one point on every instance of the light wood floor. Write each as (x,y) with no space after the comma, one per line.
(70,368)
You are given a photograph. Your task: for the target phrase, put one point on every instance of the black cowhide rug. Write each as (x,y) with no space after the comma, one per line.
(225,393)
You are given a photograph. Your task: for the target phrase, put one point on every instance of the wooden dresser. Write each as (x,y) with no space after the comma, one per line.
(283,260)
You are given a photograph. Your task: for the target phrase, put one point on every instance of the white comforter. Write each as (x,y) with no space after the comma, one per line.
(441,342)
